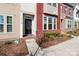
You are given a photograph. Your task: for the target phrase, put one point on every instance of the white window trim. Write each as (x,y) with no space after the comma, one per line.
(47,22)
(5,24)
(70,24)
(43,22)
(12,24)
(56,24)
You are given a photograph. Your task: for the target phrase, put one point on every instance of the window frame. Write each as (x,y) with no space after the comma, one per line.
(75,24)
(53,17)
(65,9)
(2,24)
(55,5)
(69,24)
(5,23)
(45,23)
(10,24)
(55,23)
(52,4)
(49,23)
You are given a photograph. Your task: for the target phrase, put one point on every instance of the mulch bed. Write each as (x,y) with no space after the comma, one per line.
(74,32)
(14,49)
(53,42)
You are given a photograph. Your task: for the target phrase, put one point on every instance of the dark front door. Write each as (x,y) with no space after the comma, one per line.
(28,24)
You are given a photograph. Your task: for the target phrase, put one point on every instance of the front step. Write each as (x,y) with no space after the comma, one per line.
(30,36)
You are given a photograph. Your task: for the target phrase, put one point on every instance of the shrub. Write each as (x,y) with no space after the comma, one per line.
(54,34)
(51,35)
(8,42)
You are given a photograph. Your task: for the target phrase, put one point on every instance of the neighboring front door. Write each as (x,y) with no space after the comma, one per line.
(28,24)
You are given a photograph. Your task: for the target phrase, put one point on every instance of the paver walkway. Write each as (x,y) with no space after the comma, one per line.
(67,48)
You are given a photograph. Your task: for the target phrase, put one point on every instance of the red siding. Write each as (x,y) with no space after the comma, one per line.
(39,17)
(58,18)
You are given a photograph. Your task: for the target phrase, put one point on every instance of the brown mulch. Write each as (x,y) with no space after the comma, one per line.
(53,42)
(14,49)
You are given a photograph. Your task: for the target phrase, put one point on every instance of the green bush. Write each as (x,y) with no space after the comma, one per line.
(51,35)
(8,42)
(55,34)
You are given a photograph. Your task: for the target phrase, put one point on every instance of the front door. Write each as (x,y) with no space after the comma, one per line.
(28,24)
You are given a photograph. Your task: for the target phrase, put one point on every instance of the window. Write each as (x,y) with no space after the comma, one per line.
(6,24)
(45,22)
(69,11)
(65,9)
(54,23)
(9,23)
(49,3)
(75,24)
(1,23)
(78,24)
(77,14)
(52,4)
(49,23)
(69,24)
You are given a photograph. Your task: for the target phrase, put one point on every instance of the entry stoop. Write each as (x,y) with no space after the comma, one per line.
(30,36)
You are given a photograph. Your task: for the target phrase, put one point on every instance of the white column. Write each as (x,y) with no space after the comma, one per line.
(21,25)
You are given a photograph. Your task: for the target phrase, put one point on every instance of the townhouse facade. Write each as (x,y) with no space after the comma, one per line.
(47,17)
(17,20)
(22,19)
(67,16)
(9,21)
(76,16)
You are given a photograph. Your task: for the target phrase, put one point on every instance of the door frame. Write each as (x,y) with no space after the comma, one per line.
(21,23)
(29,17)
(26,31)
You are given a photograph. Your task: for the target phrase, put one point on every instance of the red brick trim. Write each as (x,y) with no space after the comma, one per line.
(58,18)
(39,17)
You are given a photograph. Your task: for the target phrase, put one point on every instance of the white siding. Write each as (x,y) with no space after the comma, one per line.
(50,9)
(75,18)
(29,8)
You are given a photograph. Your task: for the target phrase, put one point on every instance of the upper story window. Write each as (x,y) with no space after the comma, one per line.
(49,3)
(52,4)
(69,11)
(77,13)
(65,9)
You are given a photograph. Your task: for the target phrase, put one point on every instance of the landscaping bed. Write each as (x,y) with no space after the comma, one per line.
(74,32)
(53,38)
(10,48)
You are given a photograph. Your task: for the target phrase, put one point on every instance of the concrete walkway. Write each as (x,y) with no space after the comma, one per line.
(67,48)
